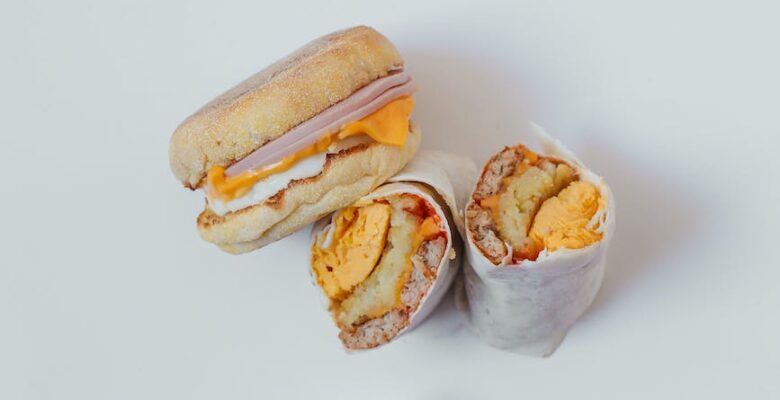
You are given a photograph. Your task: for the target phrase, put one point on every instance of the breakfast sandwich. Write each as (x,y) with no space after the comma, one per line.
(308,135)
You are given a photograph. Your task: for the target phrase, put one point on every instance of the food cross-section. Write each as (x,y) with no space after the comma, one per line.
(377,113)
(525,203)
(375,261)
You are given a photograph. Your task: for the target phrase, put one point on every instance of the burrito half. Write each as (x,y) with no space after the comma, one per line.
(538,227)
(386,261)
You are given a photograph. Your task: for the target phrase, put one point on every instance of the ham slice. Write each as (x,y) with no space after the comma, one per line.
(358,105)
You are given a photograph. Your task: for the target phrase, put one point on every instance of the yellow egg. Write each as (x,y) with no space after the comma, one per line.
(562,221)
(358,241)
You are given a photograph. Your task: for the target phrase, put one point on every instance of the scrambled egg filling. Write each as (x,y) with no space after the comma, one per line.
(364,262)
(563,220)
(541,206)
(362,233)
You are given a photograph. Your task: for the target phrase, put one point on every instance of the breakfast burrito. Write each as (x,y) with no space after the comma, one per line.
(538,226)
(385,262)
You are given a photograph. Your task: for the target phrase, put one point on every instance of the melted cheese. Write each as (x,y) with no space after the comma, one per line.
(429,227)
(388,125)
(271,185)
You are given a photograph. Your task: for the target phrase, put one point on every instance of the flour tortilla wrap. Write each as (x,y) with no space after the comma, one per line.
(447,179)
(528,307)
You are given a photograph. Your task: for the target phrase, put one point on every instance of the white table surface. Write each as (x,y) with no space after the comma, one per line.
(107,292)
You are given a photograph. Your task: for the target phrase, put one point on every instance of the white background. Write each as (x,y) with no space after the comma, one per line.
(107,292)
